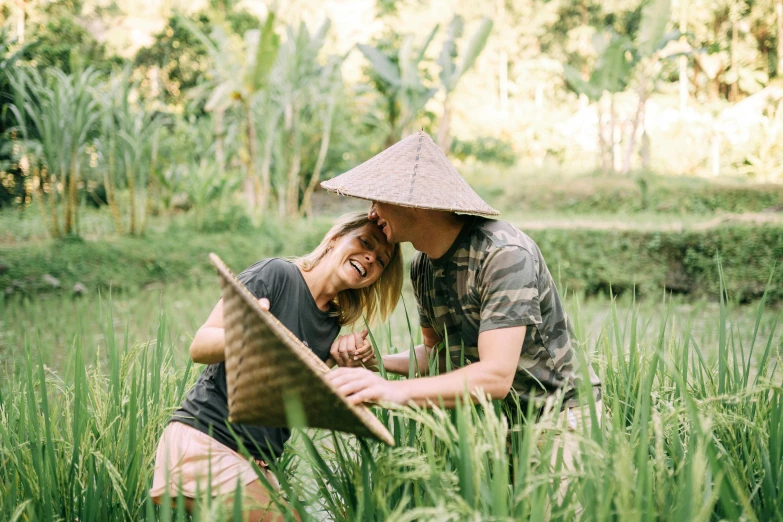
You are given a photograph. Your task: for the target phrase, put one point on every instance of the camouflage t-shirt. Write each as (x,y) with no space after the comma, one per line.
(492,277)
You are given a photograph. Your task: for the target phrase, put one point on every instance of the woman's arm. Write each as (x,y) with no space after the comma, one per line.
(209,343)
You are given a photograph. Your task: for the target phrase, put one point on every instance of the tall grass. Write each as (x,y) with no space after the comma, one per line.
(692,430)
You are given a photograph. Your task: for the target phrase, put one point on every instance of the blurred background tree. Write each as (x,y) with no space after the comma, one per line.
(283,100)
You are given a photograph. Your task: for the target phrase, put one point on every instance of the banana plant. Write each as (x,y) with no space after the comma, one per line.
(621,59)
(330,84)
(650,50)
(204,189)
(451,73)
(399,79)
(611,74)
(306,93)
(60,112)
(296,72)
(240,75)
(129,144)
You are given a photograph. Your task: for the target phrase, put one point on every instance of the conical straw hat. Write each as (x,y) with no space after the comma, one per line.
(266,365)
(414,172)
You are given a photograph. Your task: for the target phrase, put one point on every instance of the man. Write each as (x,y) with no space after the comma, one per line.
(482,289)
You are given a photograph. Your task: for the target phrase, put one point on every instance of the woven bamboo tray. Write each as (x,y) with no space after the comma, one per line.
(267,364)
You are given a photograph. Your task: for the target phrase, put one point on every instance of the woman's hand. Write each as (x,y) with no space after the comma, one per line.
(360,385)
(353,350)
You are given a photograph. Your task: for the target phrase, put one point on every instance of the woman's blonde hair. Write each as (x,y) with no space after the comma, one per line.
(375,301)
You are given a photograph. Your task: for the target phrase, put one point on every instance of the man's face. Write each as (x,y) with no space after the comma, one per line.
(393,220)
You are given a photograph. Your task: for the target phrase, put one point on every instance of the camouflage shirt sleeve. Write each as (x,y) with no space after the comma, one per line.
(419,292)
(508,289)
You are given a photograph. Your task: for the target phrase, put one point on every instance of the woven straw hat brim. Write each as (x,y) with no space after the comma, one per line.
(414,172)
(267,365)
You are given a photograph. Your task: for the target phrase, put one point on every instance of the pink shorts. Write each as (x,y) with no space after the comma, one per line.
(187,458)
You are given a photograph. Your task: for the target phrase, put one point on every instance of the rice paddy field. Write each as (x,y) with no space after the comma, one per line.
(692,421)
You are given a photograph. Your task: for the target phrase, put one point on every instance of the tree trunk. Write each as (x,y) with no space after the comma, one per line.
(734,90)
(150,184)
(39,200)
(266,165)
(295,167)
(645,149)
(220,153)
(683,61)
(612,137)
(70,206)
(444,139)
(20,22)
(779,12)
(602,140)
(130,176)
(53,206)
(111,189)
(503,83)
(642,93)
(713,89)
(249,184)
(307,205)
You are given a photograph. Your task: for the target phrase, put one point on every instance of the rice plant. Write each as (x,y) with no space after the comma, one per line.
(692,430)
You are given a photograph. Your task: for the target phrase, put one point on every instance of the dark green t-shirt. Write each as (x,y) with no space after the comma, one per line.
(494,276)
(206,405)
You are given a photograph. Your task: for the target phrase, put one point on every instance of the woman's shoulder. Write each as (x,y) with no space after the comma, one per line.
(271,266)
(264,277)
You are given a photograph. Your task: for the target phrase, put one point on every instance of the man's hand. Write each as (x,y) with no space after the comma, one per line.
(353,350)
(360,385)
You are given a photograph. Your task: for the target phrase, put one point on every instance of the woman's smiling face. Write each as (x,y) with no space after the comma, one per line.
(360,256)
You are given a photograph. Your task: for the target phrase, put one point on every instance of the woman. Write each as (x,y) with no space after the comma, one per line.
(354,272)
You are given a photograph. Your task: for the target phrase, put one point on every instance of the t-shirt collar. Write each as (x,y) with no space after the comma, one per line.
(458,241)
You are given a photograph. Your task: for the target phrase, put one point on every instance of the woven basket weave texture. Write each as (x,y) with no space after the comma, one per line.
(266,364)
(413,172)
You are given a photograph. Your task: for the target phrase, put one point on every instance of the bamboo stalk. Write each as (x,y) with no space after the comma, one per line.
(292,195)
(249,183)
(53,207)
(779,13)
(683,60)
(612,137)
(70,207)
(39,200)
(734,90)
(20,21)
(444,138)
(266,165)
(150,184)
(111,188)
(642,93)
(129,174)
(602,139)
(220,153)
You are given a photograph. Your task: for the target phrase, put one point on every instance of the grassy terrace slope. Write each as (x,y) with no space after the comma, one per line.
(588,261)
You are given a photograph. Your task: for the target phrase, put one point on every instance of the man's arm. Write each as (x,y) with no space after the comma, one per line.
(399,363)
(499,352)
(354,350)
